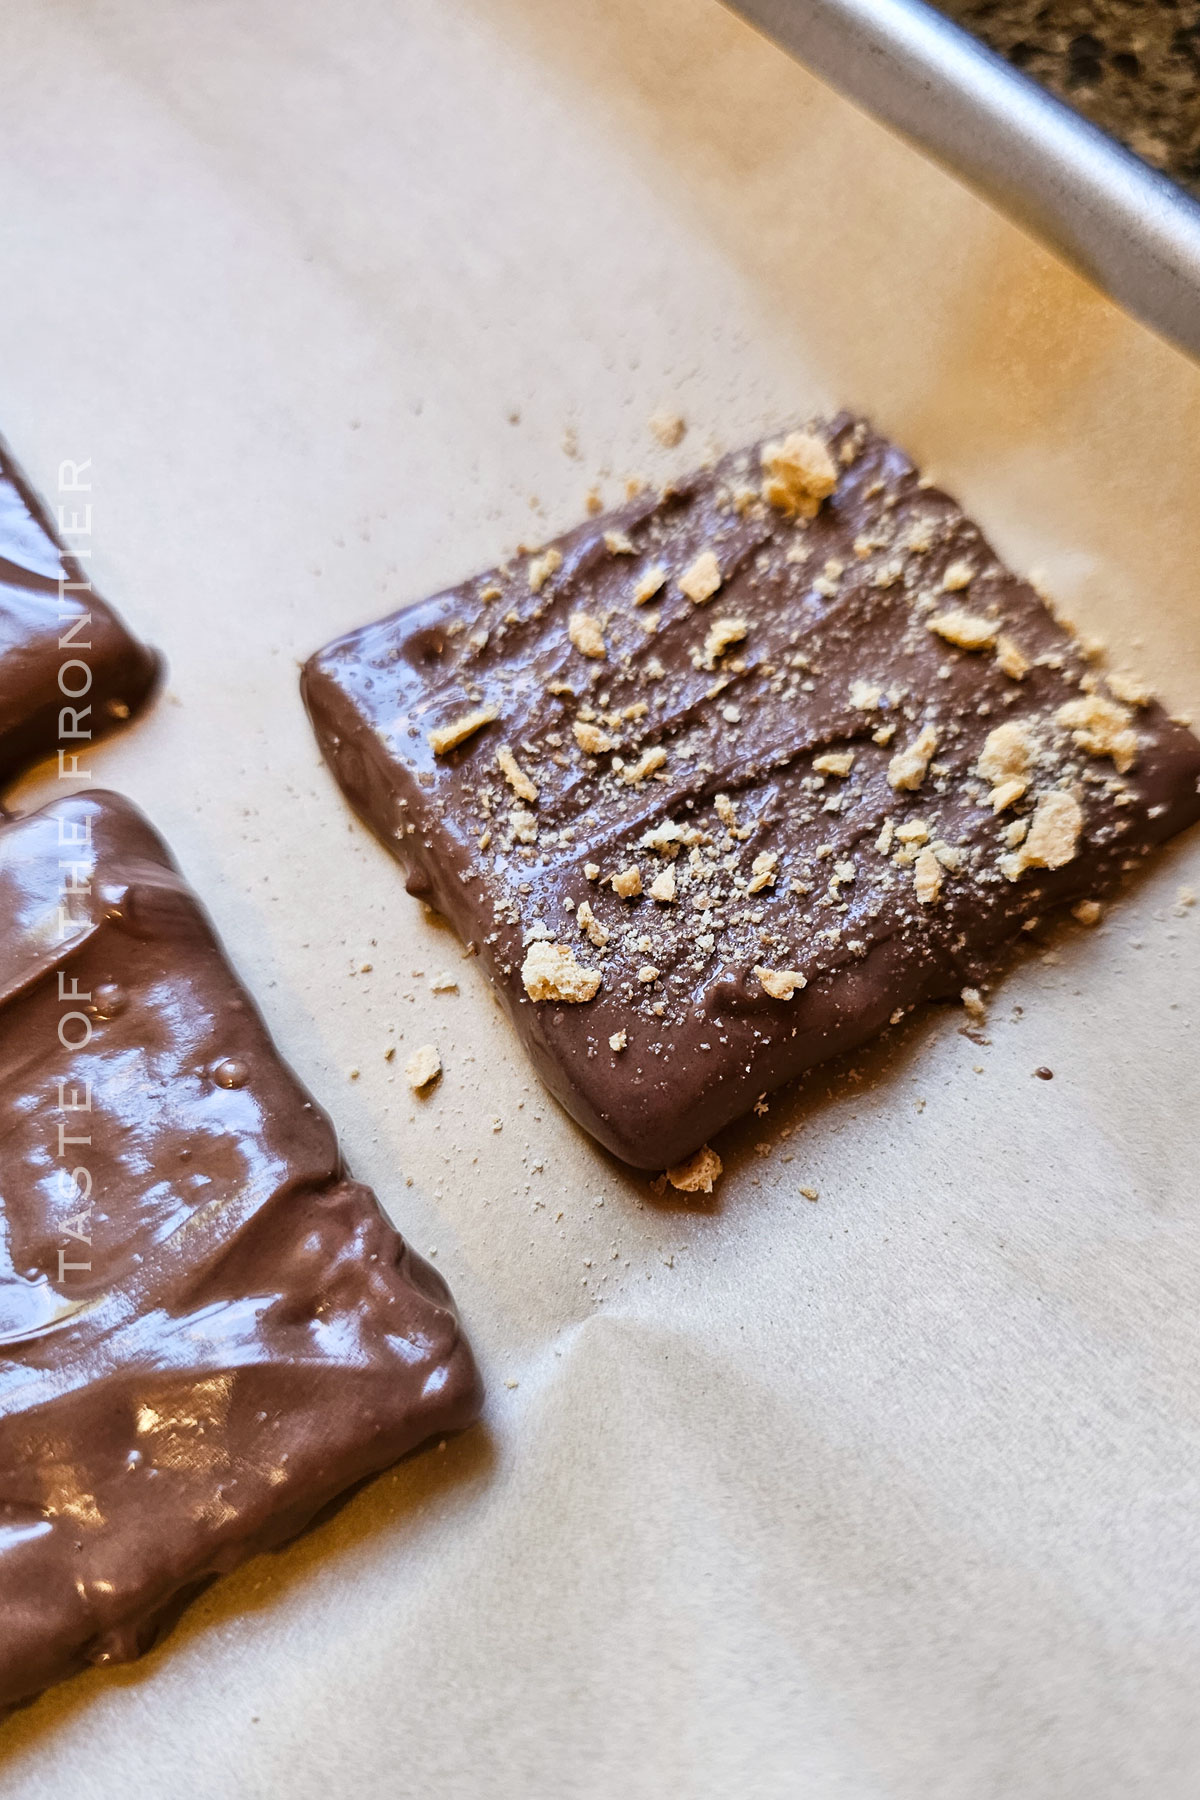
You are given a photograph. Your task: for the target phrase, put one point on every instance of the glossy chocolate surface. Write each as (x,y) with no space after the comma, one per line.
(207,1329)
(62,649)
(879,895)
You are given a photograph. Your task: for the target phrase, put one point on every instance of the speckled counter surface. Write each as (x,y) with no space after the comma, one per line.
(1132,66)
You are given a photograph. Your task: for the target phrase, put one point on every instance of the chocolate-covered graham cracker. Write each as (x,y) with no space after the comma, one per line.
(722,783)
(70,671)
(207,1329)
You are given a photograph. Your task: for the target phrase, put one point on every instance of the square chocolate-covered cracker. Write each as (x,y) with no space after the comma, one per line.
(70,671)
(720,784)
(208,1330)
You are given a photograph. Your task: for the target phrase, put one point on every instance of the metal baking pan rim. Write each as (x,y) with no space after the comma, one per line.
(1132,231)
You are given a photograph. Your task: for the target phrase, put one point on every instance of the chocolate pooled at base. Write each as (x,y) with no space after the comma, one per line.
(70,671)
(208,1330)
(721,784)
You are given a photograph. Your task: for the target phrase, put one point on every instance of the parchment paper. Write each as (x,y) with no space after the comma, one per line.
(894,1494)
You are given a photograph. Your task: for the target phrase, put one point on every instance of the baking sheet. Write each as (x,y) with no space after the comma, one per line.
(894,1494)
(1132,230)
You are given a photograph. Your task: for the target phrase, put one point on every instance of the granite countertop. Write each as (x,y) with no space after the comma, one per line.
(1132,66)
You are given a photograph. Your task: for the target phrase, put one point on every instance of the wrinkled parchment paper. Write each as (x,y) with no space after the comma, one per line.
(891,1495)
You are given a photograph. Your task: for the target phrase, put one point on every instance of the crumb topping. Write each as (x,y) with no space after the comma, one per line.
(591,739)
(1102,728)
(957,576)
(542,567)
(585,633)
(649,583)
(702,578)
(909,767)
(1011,658)
(590,925)
(1052,838)
(448,737)
(781,984)
(798,474)
(723,633)
(967,630)
(550,972)
(698,1175)
(515,775)
(834,762)
(927,877)
(668,428)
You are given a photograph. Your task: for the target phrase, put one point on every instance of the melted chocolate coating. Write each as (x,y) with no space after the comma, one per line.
(779,864)
(216,1331)
(43,627)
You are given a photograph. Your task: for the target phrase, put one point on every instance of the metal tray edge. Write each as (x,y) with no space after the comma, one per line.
(1130,230)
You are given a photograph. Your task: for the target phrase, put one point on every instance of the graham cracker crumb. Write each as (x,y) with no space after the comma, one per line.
(1129,688)
(649,583)
(1102,728)
(591,871)
(1011,658)
(444,738)
(701,579)
(721,634)
(590,925)
(591,739)
(619,1040)
(959,575)
(762,872)
(1004,762)
(865,696)
(585,633)
(668,428)
(927,878)
(668,839)
(550,972)
(968,630)
(909,767)
(810,1193)
(781,984)
(698,1174)
(1007,753)
(618,543)
(445,983)
(514,774)
(1006,793)
(799,473)
(834,762)
(422,1067)
(649,761)
(726,810)
(542,567)
(628,882)
(1053,836)
(663,886)
(973,1000)
(647,974)
(1088,912)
